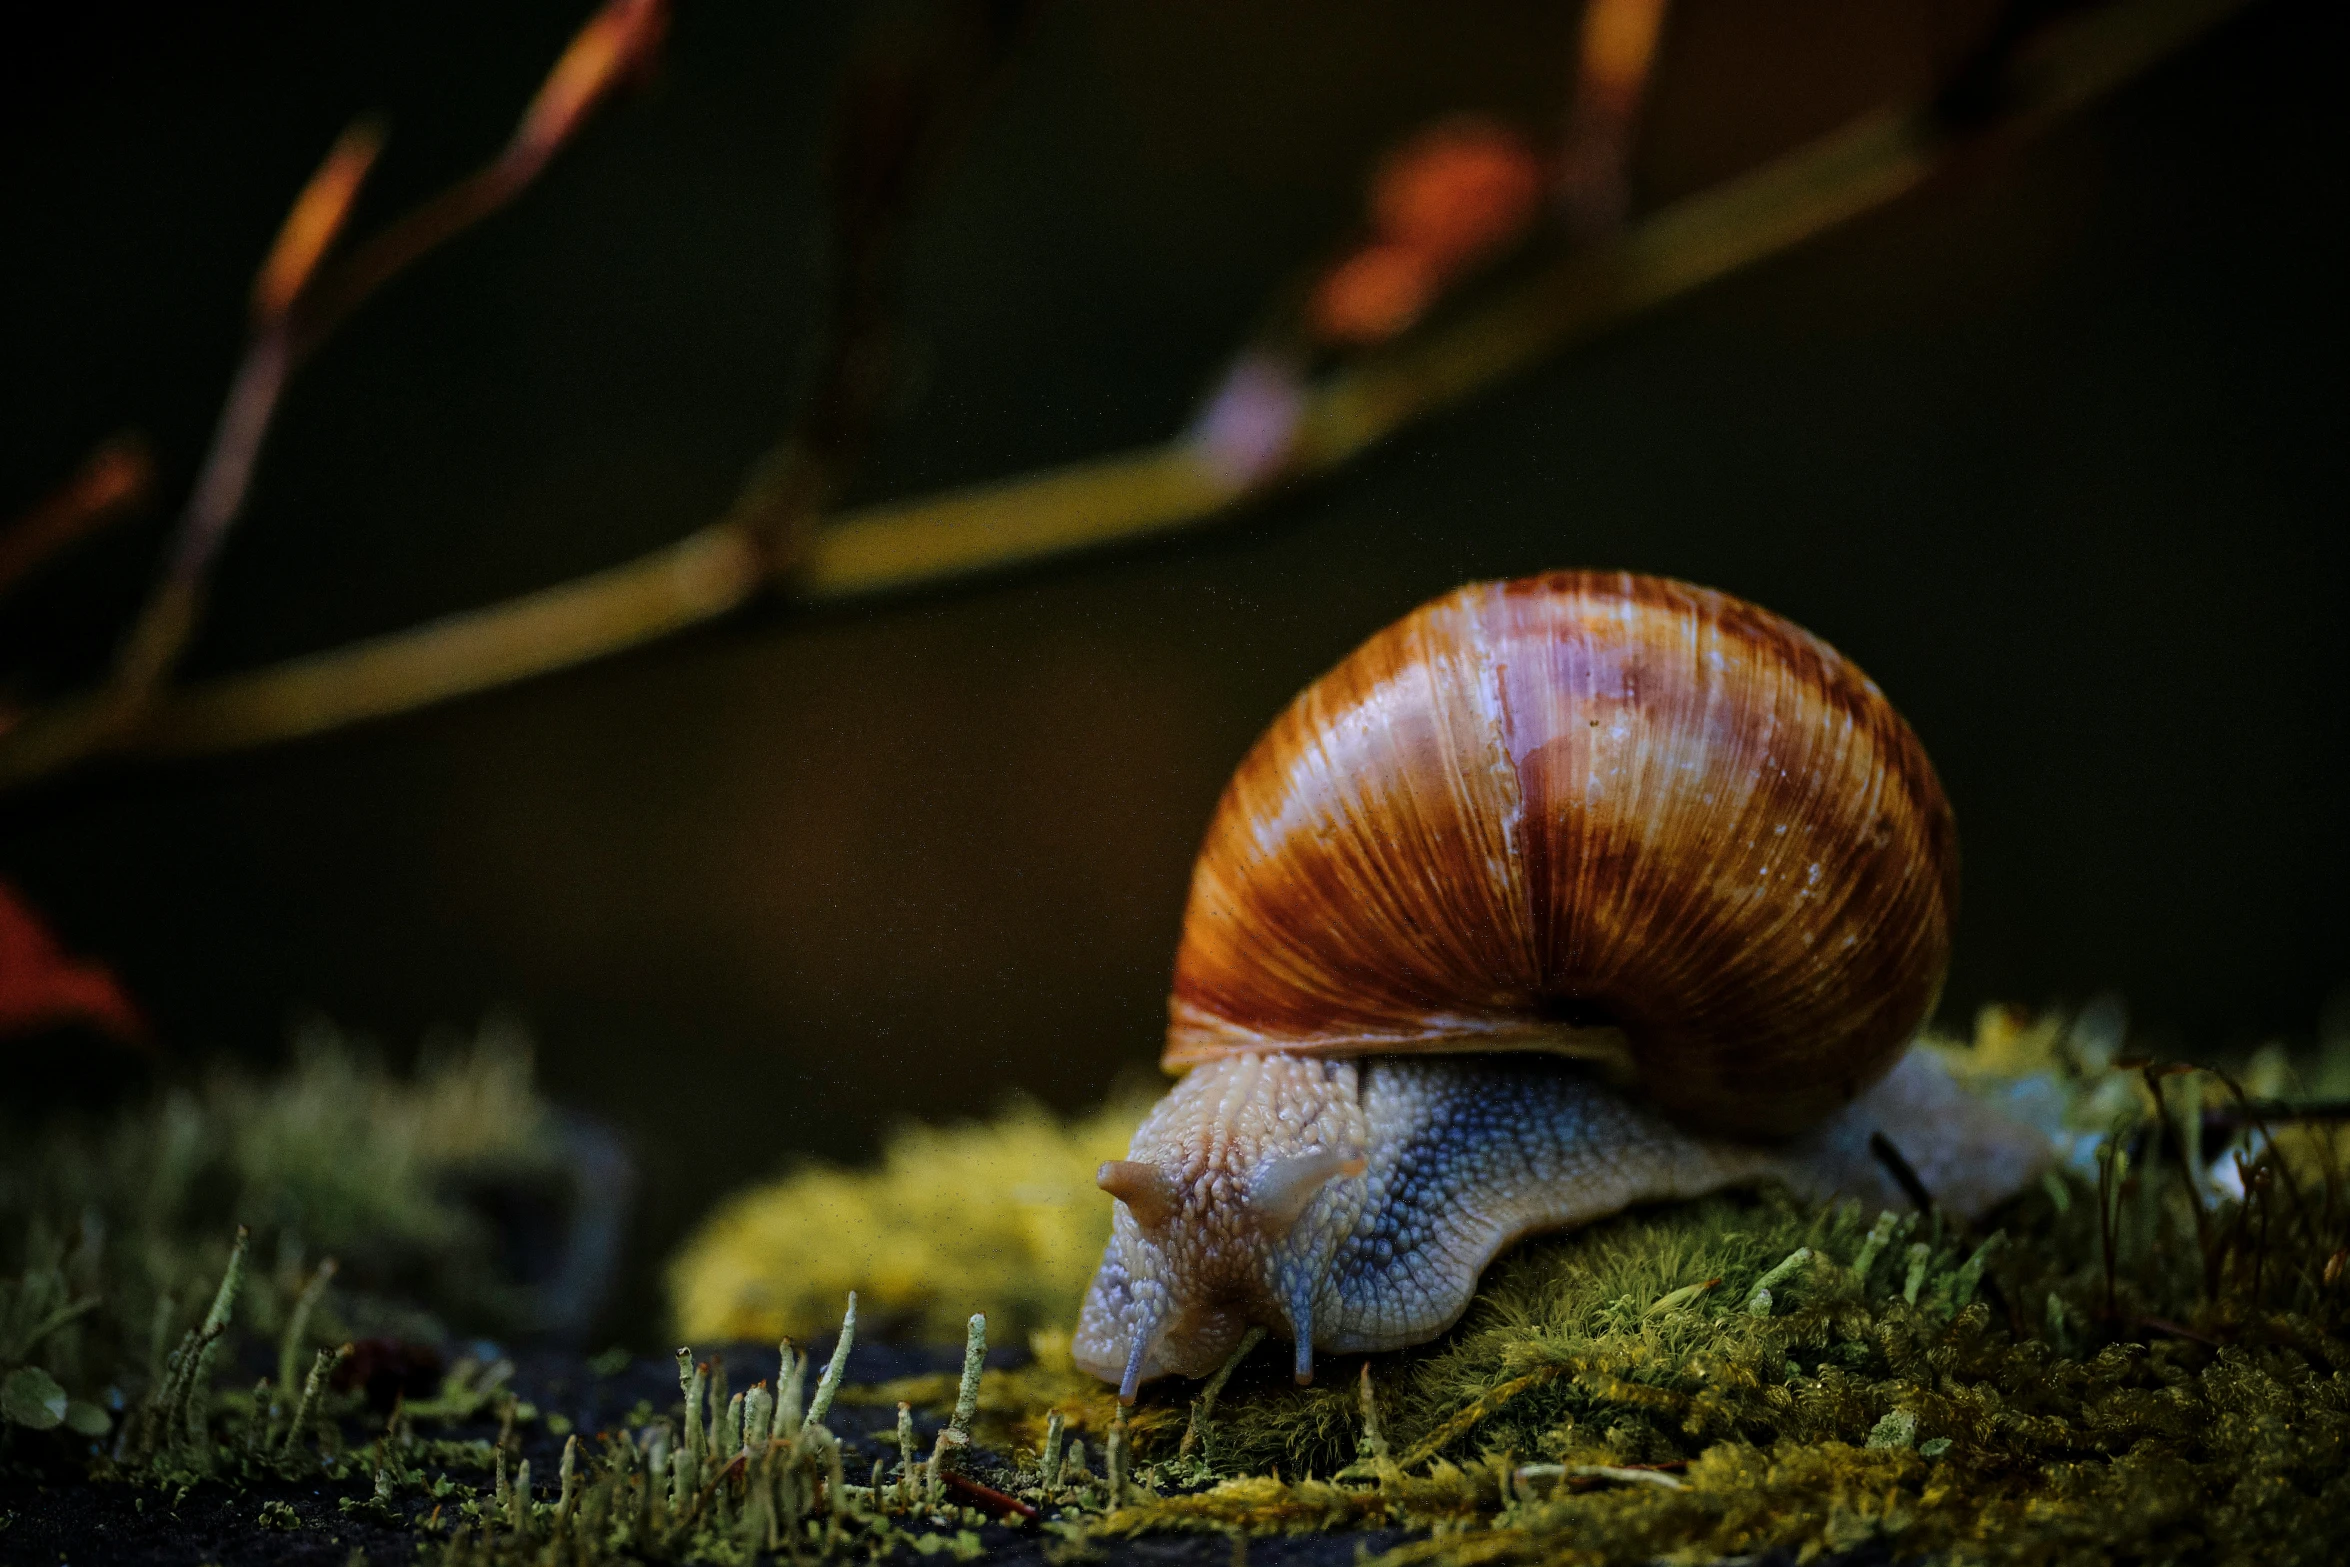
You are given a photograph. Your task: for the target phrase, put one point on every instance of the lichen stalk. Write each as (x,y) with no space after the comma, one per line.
(974,1362)
(518,1502)
(791,1390)
(908,1461)
(321,1365)
(1056,1434)
(835,1368)
(289,1348)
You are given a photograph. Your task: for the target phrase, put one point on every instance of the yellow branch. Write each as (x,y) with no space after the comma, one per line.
(994,526)
(700,577)
(1156,490)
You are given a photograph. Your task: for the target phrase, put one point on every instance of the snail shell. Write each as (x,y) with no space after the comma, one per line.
(1601,816)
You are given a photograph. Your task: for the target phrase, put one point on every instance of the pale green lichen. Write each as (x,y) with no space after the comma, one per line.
(215,1197)
(726,1479)
(338,1156)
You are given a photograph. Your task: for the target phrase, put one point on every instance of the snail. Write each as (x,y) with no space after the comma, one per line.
(1558,895)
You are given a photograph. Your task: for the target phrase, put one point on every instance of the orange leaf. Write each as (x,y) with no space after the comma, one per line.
(1373,294)
(1458,192)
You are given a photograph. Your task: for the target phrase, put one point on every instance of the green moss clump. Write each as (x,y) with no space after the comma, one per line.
(2150,1360)
(1586,1374)
(114,1235)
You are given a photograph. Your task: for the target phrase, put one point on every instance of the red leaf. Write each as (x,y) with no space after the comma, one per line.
(42,985)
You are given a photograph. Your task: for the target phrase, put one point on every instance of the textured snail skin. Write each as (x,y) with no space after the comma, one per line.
(1461,1156)
(1585,815)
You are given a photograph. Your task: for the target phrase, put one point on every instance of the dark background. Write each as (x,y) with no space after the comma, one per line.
(2054,448)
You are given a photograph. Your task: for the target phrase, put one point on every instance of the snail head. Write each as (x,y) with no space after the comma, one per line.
(1231,1209)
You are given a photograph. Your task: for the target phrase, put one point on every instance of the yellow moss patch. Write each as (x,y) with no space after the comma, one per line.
(999,1216)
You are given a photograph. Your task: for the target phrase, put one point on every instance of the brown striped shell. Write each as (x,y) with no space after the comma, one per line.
(1595,813)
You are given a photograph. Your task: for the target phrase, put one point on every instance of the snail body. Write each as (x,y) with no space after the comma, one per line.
(1558,895)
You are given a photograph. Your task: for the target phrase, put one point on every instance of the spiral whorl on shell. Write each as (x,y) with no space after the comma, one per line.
(1602,814)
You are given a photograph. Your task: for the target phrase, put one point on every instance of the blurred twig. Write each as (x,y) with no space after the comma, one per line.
(1615,57)
(295,307)
(1674,251)
(616,45)
(1154,490)
(113,482)
(905,108)
(168,620)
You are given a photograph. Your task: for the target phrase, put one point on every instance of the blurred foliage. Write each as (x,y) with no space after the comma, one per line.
(114,1230)
(1000,1217)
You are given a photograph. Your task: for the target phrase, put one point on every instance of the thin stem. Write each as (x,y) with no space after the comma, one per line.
(289,1352)
(1205,1405)
(1616,54)
(2193,1177)
(836,1367)
(615,44)
(113,481)
(2111,1162)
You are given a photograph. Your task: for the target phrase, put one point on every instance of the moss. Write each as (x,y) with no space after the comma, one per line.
(336,1157)
(1000,1217)
(129,1286)
(1015,1407)
(1805,1430)
(141,1257)
(2146,1361)
(2153,1376)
